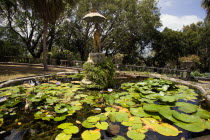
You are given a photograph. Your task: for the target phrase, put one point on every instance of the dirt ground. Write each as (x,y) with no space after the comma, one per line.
(11,71)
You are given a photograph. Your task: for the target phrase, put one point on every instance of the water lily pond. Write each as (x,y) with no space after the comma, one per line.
(151,109)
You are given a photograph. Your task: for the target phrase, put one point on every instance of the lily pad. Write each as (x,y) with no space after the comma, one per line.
(186,107)
(151,107)
(76,108)
(110,109)
(167,113)
(119,138)
(36,98)
(1,114)
(135,120)
(193,127)
(93,119)
(110,99)
(12,102)
(102,117)
(135,135)
(63,136)
(166,129)
(91,135)
(141,84)
(61,108)
(71,130)
(61,118)
(136,126)
(112,116)
(52,100)
(202,113)
(127,123)
(121,116)
(102,125)
(87,124)
(168,99)
(1,121)
(64,125)
(208,124)
(37,115)
(48,117)
(139,112)
(186,118)
(163,88)
(118,116)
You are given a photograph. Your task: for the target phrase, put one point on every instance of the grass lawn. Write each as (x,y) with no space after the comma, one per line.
(9,71)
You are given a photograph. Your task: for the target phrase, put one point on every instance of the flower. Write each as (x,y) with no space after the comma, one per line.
(58,83)
(31,83)
(2,99)
(110,89)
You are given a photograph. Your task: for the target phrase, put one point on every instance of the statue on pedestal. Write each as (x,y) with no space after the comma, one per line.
(97,39)
(95,18)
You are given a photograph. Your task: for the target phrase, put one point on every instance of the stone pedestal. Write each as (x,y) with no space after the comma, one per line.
(94,58)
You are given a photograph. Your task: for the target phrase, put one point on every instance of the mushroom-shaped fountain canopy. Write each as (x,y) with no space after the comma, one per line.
(94,17)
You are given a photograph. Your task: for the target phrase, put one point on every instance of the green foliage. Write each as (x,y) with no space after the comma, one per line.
(130,24)
(198,74)
(102,74)
(206,5)
(8,45)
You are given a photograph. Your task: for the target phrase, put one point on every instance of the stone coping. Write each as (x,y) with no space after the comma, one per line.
(41,65)
(6,83)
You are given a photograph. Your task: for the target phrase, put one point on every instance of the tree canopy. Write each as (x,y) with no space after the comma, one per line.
(131,28)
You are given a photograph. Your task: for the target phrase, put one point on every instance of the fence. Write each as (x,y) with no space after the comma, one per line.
(21,60)
(28,60)
(182,74)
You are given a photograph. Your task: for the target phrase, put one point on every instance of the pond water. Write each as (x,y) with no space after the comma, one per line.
(34,110)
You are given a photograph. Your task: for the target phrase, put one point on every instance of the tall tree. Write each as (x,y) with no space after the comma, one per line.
(206,5)
(168,48)
(196,41)
(20,18)
(49,11)
(129,27)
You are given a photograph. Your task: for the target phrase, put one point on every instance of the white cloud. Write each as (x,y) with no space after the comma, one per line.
(165,3)
(177,22)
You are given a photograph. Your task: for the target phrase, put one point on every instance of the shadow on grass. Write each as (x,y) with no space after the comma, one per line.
(8,72)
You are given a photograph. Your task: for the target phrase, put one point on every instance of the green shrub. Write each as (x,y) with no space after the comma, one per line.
(102,74)
(198,74)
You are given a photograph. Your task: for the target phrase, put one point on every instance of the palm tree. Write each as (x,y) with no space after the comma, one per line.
(206,5)
(49,11)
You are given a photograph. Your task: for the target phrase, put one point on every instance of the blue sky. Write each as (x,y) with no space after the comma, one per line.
(177,13)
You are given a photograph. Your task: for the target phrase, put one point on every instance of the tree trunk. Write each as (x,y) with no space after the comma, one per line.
(45,47)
